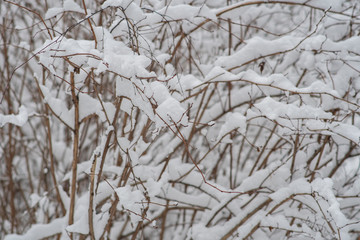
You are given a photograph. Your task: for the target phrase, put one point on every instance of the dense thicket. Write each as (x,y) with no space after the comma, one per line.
(179,119)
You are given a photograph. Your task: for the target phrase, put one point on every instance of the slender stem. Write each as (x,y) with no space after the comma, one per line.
(52,161)
(91,199)
(75,150)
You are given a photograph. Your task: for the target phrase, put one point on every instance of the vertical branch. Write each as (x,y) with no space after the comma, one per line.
(230,37)
(91,199)
(107,144)
(163,223)
(52,162)
(231,165)
(75,150)
(229,85)
(89,21)
(326,140)
(189,60)
(294,155)
(11,141)
(9,169)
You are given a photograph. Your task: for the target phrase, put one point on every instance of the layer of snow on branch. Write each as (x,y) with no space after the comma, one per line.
(40,231)
(69,5)
(170,112)
(130,201)
(18,120)
(233,121)
(255,48)
(273,109)
(89,105)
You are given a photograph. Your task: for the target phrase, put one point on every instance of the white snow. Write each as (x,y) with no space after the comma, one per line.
(40,231)
(170,112)
(233,121)
(69,5)
(19,119)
